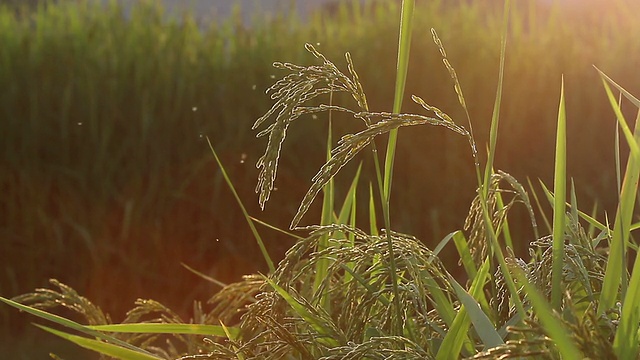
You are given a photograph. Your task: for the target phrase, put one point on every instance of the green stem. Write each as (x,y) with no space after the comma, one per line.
(404,44)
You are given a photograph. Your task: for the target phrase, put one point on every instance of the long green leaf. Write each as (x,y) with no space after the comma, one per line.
(348,211)
(622,90)
(373,222)
(273,227)
(560,190)
(348,205)
(485,329)
(626,341)
(230,335)
(443,243)
(505,228)
(552,326)
(161,328)
(588,218)
(496,248)
(458,332)
(204,276)
(465,254)
(539,204)
(618,161)
(404,45)
(328,336)
(441,302)
(70,324)
(495,116)
(326,218)
(631,138)
(102,347)
(381,297)
(256,235)
(627,337)
(402,67)
(616,263)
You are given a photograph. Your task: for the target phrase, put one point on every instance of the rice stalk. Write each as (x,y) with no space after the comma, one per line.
(475,223)
(44,299)
(351,144)
(290,93)
(307,83)
(272,326)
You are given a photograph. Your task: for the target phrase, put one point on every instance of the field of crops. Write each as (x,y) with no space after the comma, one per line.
(108,183)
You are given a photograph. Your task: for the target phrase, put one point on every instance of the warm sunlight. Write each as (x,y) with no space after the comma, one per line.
(428,179)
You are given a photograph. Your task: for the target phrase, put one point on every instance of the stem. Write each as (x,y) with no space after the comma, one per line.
(404,44)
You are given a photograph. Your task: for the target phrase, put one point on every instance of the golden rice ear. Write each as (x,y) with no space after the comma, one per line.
(452,71)
(291,93)
(277,133)
(458,90)
(359,94)
(305,84)
(66,297)
(439,113)
(358,278)
(351,144)
(475,224)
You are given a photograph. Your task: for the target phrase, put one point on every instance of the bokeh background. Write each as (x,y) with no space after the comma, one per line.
(108,184)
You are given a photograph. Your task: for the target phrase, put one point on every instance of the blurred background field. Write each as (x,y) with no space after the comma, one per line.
(108,183)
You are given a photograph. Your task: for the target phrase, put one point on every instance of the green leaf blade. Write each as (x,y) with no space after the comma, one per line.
(102,347)
(481,322)
(314,321)
(69,324)
(559,203)
(162,328)
(552,325)
(616,263)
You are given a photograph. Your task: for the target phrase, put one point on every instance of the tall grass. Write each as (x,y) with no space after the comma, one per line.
(181,47)
(403,297)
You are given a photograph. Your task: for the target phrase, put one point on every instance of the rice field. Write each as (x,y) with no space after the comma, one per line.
(107,174)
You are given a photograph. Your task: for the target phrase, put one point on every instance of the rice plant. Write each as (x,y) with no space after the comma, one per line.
(128,98)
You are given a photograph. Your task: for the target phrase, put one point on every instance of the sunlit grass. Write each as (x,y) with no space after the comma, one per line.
(340,291)
(95,130)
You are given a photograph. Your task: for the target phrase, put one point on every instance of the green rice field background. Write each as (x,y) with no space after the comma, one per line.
(108,184)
